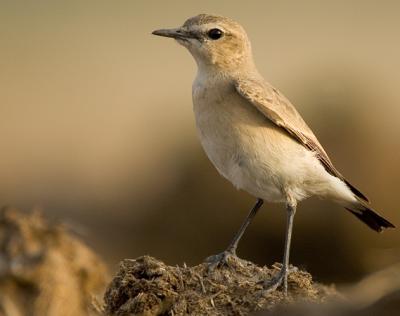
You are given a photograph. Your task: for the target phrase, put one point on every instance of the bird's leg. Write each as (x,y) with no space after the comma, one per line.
(282,277)
(234,243)
(221,258)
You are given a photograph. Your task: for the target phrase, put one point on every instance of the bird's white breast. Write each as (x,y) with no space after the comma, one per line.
(229,132)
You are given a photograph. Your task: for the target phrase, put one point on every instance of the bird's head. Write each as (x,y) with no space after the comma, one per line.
(214,41)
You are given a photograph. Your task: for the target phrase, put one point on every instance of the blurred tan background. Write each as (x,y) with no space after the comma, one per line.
(96,126)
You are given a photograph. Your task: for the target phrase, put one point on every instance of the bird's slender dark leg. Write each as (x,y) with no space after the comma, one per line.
(282,277)
(221,259)
(235,241)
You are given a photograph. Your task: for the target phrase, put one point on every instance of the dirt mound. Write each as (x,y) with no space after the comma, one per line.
(146,286)
(44,271)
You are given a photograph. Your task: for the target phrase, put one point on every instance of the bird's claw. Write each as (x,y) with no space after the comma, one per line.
(280,279)
(219,260)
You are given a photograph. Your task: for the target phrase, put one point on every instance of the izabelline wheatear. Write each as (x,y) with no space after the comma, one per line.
(253,134)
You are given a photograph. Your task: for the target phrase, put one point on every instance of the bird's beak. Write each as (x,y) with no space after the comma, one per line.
(176,33)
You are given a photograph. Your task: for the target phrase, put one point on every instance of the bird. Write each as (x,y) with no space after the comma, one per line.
(255,137)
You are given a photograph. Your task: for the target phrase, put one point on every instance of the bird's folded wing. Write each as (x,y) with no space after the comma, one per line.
(280,111)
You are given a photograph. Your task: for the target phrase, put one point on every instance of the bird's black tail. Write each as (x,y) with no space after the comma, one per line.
(370,217)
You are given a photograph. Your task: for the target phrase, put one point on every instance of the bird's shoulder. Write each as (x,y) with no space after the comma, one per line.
(272,103)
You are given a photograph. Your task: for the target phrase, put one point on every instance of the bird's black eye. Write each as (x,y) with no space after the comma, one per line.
(215,34)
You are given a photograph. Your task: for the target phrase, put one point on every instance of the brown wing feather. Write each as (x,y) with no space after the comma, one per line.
(280,111)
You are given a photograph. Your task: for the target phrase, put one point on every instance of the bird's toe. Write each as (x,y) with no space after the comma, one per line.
(220,260)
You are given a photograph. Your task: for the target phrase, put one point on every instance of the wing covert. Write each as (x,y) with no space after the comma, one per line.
(278,109)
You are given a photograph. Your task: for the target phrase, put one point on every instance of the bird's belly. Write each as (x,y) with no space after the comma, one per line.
(246,170)
(242,146)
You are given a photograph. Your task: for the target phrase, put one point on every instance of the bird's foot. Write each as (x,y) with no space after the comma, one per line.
(280,279)
(220,260)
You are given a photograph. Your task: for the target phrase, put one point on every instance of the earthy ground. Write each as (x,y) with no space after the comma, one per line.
(46,271)
(146,286)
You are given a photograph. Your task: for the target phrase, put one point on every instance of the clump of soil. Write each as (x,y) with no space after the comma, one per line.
(44,270)
(146,286)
